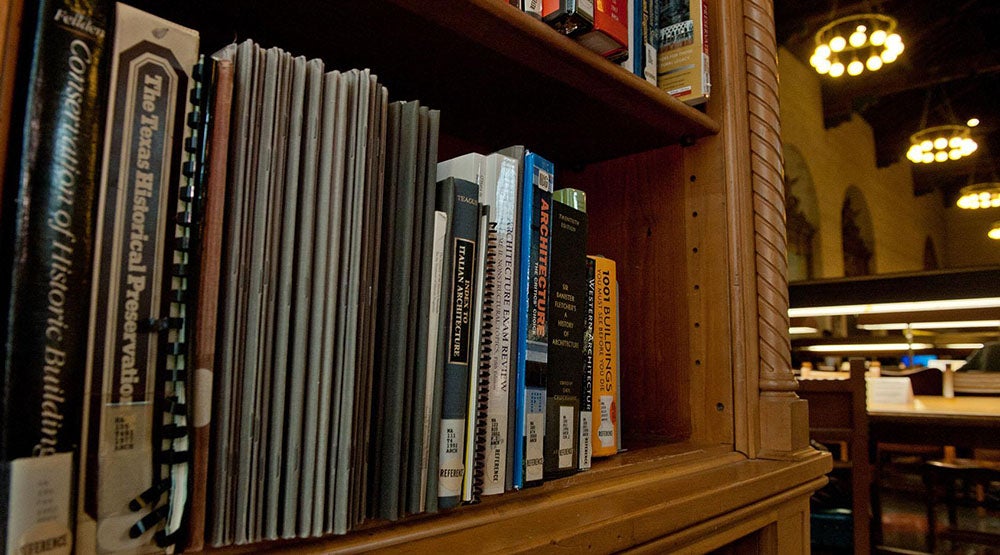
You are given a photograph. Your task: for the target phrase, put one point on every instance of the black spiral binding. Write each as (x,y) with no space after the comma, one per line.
(166,500)
(485,358)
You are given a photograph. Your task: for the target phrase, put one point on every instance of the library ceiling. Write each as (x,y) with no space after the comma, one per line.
(948,73)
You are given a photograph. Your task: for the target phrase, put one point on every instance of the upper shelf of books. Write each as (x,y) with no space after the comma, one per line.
(499,76)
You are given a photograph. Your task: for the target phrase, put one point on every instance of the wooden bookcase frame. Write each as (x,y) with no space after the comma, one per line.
(690,204)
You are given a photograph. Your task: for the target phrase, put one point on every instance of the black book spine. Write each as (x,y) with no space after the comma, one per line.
(50,192)
(459,358)
(566,339)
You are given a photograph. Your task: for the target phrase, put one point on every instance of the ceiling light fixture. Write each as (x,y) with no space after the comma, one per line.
(856,42)
(994,232)
(940,143)
(980,195)
(883,308)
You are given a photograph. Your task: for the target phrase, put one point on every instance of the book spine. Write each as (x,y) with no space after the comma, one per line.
(503,363)
(566,339)
(536,217)
(486,350)
(587,391)
(478,326)
(605,382)
(48,215)
(532,7)
(134,321)
(210,232)
(458,356)
(175,446)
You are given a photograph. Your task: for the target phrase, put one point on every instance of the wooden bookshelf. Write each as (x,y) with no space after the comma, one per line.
(690,204)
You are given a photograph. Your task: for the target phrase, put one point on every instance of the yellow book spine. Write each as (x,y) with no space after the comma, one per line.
(605,382)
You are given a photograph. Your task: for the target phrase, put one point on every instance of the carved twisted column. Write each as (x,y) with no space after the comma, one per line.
(784,420)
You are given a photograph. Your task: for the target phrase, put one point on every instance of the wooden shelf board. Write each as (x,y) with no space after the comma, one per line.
(624,501)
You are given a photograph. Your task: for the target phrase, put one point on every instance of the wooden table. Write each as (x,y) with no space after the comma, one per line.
(963,421)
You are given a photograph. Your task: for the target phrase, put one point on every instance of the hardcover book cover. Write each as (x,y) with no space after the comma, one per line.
(150,86)
(49,201)
(566,339)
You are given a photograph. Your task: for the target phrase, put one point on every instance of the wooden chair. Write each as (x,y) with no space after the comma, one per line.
(838,417)
(943,477)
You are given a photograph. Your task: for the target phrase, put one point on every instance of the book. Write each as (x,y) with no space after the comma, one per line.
(471,483)
(291,96)
(49,199)
(587,380)
(210,209)
(481,395)
(422,395)
(533,310)
(605,430)
(564,382)
(471,168)
(458,355)
(399,291)
(532,7)
(609,34)
(569,17)
(648,51)
(151,83)
(499,186)
(351,482)
(680,37)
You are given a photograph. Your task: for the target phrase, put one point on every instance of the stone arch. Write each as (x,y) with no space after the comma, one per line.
(857,235)
(801,215)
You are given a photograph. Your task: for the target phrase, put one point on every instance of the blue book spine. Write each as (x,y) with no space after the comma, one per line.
(532,355)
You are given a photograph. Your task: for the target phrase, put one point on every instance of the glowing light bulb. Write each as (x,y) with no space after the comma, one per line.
(926,145)
(955,142)
(855,67)
(888,56)
(836,69)
(940,143)
(941,156)
(972,122)
(954,154)
(878,37)
(823,66)
(858,37)
(874,63)
(927,157)
(838,43)
(822,51)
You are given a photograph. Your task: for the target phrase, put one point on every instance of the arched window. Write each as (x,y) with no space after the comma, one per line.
(856,234)
(801,215)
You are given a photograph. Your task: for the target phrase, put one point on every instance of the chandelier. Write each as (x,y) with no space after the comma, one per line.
(851,44)
(940,144)
(946,141)
(980,195)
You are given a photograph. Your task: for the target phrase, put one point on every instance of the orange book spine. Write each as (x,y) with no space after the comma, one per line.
(611,18)
(605,426)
